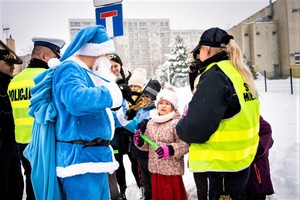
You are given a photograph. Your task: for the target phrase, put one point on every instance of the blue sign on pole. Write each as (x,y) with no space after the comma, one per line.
(111,17)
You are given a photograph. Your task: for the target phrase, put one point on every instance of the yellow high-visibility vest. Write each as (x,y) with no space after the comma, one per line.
(19,95)
(234,144)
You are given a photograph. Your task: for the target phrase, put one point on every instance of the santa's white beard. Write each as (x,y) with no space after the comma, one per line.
(102,68)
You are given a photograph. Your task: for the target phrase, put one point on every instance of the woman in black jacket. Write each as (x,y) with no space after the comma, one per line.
(223,137)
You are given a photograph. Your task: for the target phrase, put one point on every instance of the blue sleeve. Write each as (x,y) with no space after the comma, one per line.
(132,125)
(77,92)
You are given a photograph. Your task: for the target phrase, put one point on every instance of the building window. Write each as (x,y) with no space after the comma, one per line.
(258,55)
(84,24)
(246,34)
(142,24)
(75,24)
(296,10)
(297,58)
(257,33)
(274,33)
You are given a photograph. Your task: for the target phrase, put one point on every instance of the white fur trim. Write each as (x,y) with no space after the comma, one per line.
(53,63)
(121,117)
(84,168)
(112,123)
(115,93)
(92,49)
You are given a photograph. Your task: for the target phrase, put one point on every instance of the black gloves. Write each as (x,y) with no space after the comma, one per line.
(130,114)
(142,125)
(126,92)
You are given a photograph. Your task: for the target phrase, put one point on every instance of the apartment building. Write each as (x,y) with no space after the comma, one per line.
(144,44)
(190,37)
(270,38)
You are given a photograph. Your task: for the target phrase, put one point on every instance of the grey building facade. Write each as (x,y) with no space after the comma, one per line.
(145,42)
(270,38)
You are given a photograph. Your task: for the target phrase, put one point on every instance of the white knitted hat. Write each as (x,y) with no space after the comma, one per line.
(169,94)
(138,77)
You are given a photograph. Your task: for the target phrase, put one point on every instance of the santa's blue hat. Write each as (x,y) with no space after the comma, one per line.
(89,41)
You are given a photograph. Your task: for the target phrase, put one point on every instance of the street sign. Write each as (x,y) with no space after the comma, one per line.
(111,17)
(98,3)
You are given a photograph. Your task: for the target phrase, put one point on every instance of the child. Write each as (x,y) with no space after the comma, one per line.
(139,122)
(165,163)
(122,137)
(259,183)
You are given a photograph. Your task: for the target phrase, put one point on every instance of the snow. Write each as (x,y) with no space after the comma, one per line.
(281,109)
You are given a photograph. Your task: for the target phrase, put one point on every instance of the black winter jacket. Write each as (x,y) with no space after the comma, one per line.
(11,179)
(214,100)
(7,125)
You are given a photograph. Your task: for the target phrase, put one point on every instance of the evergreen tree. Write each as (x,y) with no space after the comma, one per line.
(175,69)
(162,74)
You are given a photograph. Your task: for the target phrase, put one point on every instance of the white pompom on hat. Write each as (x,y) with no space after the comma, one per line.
(138,77)
(168,94)
(89,41)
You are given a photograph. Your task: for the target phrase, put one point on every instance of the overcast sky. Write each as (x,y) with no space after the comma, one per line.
(41,18)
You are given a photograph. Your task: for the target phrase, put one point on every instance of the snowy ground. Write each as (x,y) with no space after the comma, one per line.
(281,110)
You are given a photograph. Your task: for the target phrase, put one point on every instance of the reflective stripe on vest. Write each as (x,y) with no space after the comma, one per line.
(19,95)
(234,144)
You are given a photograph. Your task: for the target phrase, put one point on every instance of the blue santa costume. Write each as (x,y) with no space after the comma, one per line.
(84,123)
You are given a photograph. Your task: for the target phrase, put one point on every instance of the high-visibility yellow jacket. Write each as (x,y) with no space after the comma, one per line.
(19,95)
(233,145)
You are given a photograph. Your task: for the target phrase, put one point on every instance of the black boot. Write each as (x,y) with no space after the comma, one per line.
(122,193)
(122,196)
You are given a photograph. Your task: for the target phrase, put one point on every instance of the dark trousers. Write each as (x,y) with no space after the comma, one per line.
(146,177)
(201,181)
(113,186)
(27,171)
(121,178)
(228,185)
(255,196)
(11,178)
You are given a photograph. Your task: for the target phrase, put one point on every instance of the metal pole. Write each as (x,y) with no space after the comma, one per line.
(265,75)
(291,79)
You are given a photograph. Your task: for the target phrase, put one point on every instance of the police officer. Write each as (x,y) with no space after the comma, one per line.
(11,180)
(19,94)
(222,121)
